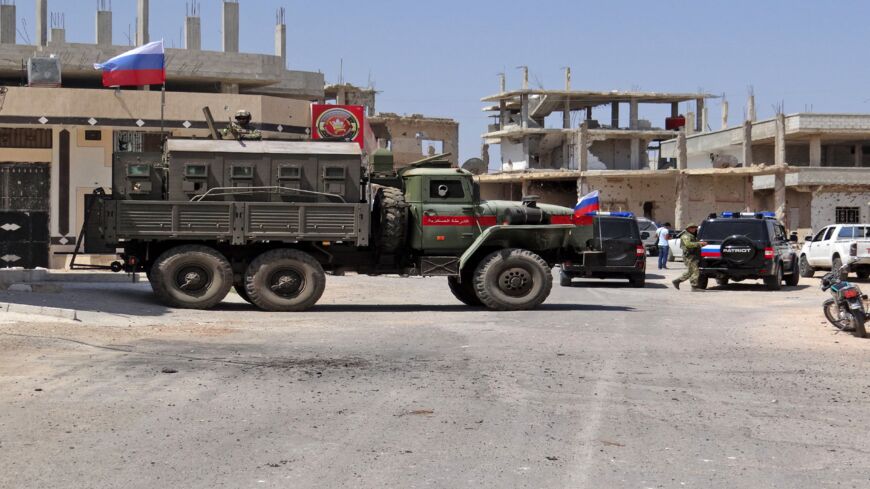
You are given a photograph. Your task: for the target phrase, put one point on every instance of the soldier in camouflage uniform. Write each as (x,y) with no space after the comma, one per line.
(691,256)
(241,128)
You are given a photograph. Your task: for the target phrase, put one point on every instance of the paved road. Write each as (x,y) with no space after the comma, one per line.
(391,383)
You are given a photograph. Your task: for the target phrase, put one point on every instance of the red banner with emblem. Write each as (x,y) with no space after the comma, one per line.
(338,123)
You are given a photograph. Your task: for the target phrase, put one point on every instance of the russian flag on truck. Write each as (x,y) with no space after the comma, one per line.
(587,205)
(145,65)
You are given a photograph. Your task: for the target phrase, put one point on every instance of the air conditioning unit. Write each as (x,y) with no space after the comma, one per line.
(43,72)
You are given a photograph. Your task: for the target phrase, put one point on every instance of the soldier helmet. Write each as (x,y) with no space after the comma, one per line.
(243,116)
(691,225)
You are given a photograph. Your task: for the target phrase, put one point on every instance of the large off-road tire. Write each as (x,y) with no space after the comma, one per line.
(512,279)
(806,270)
(464,290)
(794,277)
(390,219)
(191,277)
(242,292)
(774,282)
(284,280)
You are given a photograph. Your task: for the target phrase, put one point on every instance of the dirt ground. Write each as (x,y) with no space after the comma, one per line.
(391,382)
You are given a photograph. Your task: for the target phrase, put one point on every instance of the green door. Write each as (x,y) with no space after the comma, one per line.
(447,215)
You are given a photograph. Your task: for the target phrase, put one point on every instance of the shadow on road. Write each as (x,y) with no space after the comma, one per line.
(612,285)
(455,308)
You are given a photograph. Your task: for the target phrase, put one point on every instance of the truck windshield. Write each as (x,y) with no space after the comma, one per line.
(719,230)
(619,229)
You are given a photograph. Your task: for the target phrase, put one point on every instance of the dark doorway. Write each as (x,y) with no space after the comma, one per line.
(24,208)
(648,210)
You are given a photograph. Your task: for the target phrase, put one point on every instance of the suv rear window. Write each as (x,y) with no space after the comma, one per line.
(719,230)
(619,229)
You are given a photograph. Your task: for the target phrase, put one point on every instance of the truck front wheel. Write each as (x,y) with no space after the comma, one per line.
(191,277)
(464,290)
(512,280)
(284,280)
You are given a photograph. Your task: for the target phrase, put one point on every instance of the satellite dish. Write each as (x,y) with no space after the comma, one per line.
(475,165)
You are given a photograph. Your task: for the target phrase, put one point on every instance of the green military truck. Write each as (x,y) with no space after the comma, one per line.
(273,218)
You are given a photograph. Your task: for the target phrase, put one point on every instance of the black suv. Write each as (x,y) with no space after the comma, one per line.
(616,250)
(744,246)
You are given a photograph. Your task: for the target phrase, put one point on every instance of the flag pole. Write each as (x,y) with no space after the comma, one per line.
(162,106)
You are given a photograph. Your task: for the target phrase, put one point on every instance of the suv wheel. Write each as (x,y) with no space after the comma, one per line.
(794,277)
(774,282)
(513,279)
(805,269)
(703,281)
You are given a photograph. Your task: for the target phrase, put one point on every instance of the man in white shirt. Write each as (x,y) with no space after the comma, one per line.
(663,233)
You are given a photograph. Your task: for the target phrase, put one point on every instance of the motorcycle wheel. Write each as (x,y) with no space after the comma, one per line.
(858,319)
(839,319)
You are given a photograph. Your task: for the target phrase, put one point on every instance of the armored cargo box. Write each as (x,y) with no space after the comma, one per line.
(264,171)
(138,176)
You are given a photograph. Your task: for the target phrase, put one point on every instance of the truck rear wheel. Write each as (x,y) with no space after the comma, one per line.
(284,280)
(464,290)
(191,277)
(390,223)
(513,279)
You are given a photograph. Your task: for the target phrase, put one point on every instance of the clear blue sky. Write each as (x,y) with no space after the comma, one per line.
(439,58)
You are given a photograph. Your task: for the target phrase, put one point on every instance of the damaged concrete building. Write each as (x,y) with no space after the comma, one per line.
(408,137)
(809,168)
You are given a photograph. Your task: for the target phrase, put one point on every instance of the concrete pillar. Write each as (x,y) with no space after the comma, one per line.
(484,154)
(7,24)
(526,187)
(341,95)
(502,113)
(193,33)
(750,108)
(681,205)
(704,120)
(699,121)
(675,109)
(142,23)
(524,110)
(41,22)
(589,113)
(779,199)
(104,27)
(747,144)
(583,147)
(614,115)
(859,155)
(632,114)
(779,141)
(502,83)
(634,161)
(724,114)
(281,43)
(748,195)
(525,77)
(816,150)
(682,153)
(58,35)
(690,123)
(231,27)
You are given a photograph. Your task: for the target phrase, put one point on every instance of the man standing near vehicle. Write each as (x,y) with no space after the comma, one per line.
(663,234)
(691,256)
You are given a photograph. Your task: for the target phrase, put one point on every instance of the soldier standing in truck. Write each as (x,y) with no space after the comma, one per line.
(241,128)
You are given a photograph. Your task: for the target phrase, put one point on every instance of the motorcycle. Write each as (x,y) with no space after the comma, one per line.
(845,310)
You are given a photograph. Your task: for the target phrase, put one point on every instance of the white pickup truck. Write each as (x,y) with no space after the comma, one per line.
(835,245)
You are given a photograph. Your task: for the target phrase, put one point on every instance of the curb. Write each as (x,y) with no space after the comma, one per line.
(39,310)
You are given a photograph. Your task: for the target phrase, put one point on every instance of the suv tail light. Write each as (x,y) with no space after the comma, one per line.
(640,250)
(768,253)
